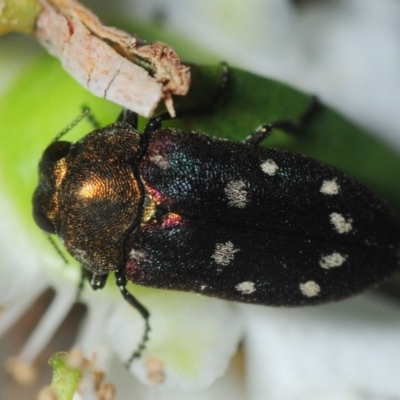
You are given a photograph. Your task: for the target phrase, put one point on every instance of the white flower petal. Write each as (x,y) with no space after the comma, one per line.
(191,341)
(91,338)
(20,272)
(229,386)
(350,347)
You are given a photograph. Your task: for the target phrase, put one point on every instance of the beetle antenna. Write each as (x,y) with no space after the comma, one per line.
(120,280)
(86,113)
(83,277)
(54,244)
(92,119)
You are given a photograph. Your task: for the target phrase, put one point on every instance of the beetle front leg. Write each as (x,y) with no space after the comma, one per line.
(287,125)
(121,282)
(95,281)
(129,117)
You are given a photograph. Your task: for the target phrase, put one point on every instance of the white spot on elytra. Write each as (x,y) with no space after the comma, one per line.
(330,188)
(310,289)
(269,167)
(236,193)
(160,161)
(137,255)
(245,287)
(340,223)
(224,253)
(202,287)
(332,260)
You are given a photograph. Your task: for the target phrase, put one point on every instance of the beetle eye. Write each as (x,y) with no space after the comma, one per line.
(56,151)
(43,222)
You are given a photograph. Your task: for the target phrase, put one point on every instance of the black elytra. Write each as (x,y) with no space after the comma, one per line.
(185,211)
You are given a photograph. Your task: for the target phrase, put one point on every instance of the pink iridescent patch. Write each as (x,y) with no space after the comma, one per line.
(172,220)
(155,194)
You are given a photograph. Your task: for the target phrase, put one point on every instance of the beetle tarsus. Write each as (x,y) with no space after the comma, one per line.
(287,125)
(142,345)
(121,281)
(223,86)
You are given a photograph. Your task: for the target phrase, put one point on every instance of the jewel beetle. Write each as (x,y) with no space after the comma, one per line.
(185,211)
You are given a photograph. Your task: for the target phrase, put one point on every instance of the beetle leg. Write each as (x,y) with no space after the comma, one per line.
(95,281)
(121,282)
(223,85)
(98,282)
(155,123)
(287,125)
(129,117)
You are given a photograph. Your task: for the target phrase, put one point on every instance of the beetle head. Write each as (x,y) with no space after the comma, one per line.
(89,196)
